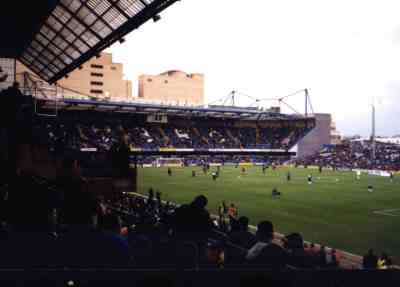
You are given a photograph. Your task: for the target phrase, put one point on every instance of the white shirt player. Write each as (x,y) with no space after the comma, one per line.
(358,173)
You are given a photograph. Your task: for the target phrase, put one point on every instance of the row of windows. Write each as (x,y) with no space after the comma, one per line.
(150,80)
(95,66)
(96,74)
(96,91)
(93,83)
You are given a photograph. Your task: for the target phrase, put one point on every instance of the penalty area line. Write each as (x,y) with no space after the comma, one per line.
(387,212)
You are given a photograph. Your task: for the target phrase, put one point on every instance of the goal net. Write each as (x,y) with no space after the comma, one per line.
(169,162)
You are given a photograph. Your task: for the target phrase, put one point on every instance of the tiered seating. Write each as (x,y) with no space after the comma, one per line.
(133,231)
(357,154)
(100,132)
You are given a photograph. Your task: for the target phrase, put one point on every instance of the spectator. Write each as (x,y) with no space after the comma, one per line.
(83,246)
(384,262)
(370,260)
(243,237)
(265,252)
(232,214)
(334,261)
(312,250)
(321,257)
(193,222)
(297,255)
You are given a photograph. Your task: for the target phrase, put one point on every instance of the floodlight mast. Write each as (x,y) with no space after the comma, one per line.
(231,98)
(373,145)
(307,101)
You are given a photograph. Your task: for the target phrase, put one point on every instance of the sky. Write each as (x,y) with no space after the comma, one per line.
(345,52)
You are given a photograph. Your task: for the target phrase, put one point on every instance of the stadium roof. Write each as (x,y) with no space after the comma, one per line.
(54,37)
(214,112)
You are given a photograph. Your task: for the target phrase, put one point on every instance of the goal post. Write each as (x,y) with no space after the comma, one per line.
(169,162)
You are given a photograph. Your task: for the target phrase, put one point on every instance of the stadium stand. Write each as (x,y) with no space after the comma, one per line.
(130,230)
(356,155)
(100,130)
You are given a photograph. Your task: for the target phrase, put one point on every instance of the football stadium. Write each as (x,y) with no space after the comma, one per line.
(99,183)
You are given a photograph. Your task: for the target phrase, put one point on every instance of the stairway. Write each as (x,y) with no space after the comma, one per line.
(166,139)
(196,131)
(235,140)
(258,135)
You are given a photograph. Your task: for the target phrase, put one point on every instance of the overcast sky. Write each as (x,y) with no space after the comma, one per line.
(345,52)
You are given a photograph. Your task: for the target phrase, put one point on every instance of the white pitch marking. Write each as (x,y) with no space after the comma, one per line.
(387,212)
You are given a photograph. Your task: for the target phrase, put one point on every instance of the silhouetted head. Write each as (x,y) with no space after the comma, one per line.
(243,223)
(200,201)
(294,241)
(265,231)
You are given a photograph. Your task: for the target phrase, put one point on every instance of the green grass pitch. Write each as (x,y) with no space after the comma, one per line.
(337,210)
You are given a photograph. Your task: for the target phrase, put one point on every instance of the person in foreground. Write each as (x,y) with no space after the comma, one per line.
(265,253)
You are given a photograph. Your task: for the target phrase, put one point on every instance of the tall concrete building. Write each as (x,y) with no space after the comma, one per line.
(336,137)
(319,136)
(7,71)
(172,87)
(99,77)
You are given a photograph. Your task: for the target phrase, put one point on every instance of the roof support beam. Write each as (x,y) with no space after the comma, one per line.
(119,9)
(71,31)
(101,16)
(73,15)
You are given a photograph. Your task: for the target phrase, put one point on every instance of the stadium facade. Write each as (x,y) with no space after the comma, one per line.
(318,137)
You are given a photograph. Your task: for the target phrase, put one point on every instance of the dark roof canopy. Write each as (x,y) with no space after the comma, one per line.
(19,20)
(60,35)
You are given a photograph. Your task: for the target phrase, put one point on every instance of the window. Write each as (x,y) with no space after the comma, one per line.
(96,66)
(96,83)
(149,80)
(113,68)
(96,74)
(166,81)
(96,91)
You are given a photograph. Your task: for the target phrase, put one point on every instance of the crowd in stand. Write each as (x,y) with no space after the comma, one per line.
(357,155)
(96,133)
(63,225)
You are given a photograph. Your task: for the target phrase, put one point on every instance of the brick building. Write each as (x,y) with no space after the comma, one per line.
(173,87)
(99,77)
